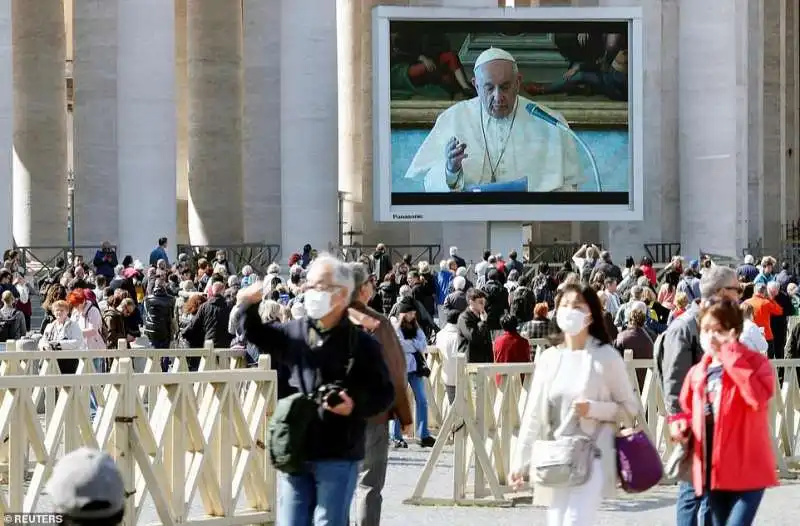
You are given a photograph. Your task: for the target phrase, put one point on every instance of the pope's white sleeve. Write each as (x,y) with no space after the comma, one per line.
(429,162)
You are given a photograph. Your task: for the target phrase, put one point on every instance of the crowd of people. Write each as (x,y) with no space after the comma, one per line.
(355,335)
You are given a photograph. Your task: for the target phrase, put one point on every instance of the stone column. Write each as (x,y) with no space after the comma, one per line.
(94,121)
(261,126)
(40,130)
(182,139)
(710,72)
(309,126)
(215,122)
(146,127)
(6,125)
(660,103)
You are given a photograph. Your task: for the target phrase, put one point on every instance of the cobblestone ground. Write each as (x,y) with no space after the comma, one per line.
(780,507)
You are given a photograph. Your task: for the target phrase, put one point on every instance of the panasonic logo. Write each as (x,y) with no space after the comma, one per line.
(406,216)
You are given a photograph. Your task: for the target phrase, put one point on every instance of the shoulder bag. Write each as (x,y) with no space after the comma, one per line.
(564,461)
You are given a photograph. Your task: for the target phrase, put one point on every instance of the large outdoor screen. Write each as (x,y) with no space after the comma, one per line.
(507,114)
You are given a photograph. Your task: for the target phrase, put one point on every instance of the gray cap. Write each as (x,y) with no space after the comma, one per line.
(83,477)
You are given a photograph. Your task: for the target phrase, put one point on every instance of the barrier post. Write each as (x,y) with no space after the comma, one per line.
(123,423)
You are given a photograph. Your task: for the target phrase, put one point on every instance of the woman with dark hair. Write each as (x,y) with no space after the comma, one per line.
(510,347)
(637,339)
(579,388)
(731,384)
(55,292)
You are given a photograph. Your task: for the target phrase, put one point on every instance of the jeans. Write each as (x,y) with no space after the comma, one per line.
(689,507)
(373,475)
(421,403)
(318,497)
(165,362)
(734,508)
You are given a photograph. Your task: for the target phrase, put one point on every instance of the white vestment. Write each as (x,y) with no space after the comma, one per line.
(527,148)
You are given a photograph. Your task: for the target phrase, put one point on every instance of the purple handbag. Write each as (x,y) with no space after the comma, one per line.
(638,463)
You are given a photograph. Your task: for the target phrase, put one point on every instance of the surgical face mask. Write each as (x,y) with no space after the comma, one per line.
(571,321)
(706,342)
(317,303)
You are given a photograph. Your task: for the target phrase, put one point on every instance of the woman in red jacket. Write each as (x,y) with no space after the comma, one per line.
(726,402)
(510,347)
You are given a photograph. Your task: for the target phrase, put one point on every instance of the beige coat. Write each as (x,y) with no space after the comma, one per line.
(611,396)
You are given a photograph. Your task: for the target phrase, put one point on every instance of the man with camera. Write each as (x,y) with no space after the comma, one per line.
(342,369)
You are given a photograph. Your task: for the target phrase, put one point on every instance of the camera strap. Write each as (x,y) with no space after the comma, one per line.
(315,339)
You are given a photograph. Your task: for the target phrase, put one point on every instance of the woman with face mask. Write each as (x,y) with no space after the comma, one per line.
(581,387)
(727,394)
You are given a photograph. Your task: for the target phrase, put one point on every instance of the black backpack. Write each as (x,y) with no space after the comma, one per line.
(289,426)
(586,270)
(7,323)
(542,291)
(522,303)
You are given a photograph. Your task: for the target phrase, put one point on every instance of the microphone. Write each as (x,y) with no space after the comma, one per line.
(538,113)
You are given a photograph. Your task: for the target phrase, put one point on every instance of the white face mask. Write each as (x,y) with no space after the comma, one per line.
(571,321)
(706,342)
(317,303)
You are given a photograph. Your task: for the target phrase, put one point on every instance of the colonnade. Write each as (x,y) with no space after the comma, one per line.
(220,122)
(185,114)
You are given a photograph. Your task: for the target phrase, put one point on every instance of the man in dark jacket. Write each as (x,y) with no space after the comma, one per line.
(681,350)
(381,262)
(324,349)
(496,299)
(376,455)
(606,267)
(159,319)
(476,339)
(105,260)
(211,322)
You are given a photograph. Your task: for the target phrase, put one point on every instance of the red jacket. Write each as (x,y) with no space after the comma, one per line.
(742,456)
(510,347)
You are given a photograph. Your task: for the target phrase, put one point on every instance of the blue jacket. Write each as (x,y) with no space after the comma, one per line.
(158,253)
(443,280)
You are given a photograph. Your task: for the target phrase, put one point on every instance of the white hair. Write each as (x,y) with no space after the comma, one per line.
(247,270)
(270,310)
(749,259)
(118,270)
(773,287)
(273,268)
(453,251)
(405,292)
(443,265)
(638,305)
(459,283)
(423,267)
(341,273)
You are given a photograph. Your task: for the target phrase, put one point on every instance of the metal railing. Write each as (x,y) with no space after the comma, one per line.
(662,252)
(418,253)
(257,255)
(40,261)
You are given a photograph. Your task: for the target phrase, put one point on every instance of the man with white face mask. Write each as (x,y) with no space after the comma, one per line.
(324,349)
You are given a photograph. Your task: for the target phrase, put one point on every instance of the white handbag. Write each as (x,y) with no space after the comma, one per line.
(564,461)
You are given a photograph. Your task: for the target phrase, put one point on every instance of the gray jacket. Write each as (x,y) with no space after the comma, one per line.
(681,350)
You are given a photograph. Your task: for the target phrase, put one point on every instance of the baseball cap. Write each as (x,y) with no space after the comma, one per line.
(86,484)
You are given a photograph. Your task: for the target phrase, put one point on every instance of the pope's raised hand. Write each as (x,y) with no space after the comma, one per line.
(455,153)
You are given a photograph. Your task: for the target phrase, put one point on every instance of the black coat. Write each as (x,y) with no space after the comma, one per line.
(211,323)
(476,339)
(159,316)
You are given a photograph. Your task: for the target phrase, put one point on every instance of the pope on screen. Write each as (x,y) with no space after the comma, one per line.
(491,143)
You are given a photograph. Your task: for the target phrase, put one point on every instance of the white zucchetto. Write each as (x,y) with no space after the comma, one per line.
(493,53)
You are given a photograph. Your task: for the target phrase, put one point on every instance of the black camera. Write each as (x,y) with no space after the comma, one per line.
(55,346)
(330,394)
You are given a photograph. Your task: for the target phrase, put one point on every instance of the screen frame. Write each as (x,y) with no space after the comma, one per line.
(385,211)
